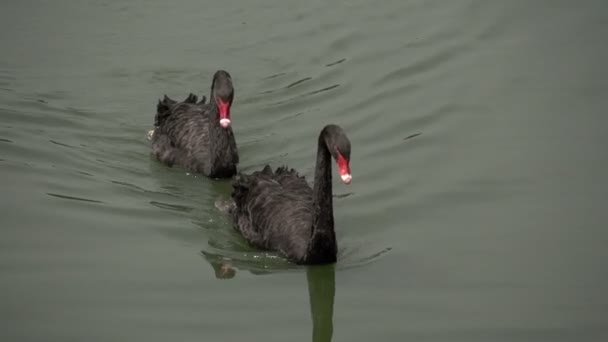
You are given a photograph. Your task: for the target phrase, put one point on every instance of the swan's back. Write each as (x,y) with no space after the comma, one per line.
(163,108)
(273,210)
(182,137)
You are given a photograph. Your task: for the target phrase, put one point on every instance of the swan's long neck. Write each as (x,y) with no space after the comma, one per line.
(221,158)
(322,247)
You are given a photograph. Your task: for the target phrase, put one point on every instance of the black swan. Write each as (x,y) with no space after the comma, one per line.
(198,136)
(279,211)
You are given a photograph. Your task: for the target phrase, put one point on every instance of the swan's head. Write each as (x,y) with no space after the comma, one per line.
(339,147)
(222,93)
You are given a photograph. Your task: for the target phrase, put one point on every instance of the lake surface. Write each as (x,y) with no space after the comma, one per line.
(477,211)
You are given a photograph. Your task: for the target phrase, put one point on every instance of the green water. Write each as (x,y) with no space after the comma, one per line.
(490,225)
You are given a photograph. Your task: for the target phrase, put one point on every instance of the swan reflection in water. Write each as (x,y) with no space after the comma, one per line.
(321,290)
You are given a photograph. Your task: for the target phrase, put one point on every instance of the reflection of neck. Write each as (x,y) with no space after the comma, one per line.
(321,289)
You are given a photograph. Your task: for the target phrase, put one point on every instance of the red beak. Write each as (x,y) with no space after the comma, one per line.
(344,169)
(224,113)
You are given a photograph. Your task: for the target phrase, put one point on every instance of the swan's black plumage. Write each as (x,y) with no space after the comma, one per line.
(163,107)
(189,134)
(279,211)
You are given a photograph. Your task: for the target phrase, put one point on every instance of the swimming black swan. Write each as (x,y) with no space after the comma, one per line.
(279,211)
(198,136)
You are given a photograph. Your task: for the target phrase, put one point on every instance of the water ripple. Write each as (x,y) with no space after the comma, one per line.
(336,62)
(74,198)
(298,82)
(176,207)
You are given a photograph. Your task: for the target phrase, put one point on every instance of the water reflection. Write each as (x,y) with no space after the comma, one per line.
(321,291)
(243,258)
(223,270)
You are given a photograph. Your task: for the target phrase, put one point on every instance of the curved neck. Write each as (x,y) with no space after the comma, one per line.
(322,247)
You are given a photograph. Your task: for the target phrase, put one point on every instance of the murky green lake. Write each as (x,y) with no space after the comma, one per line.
(477,212)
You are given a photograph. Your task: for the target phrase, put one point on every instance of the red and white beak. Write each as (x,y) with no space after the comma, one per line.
(224,108)
(344,169)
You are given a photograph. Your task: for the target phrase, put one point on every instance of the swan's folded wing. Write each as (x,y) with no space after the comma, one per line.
(270,215)
(291,180)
